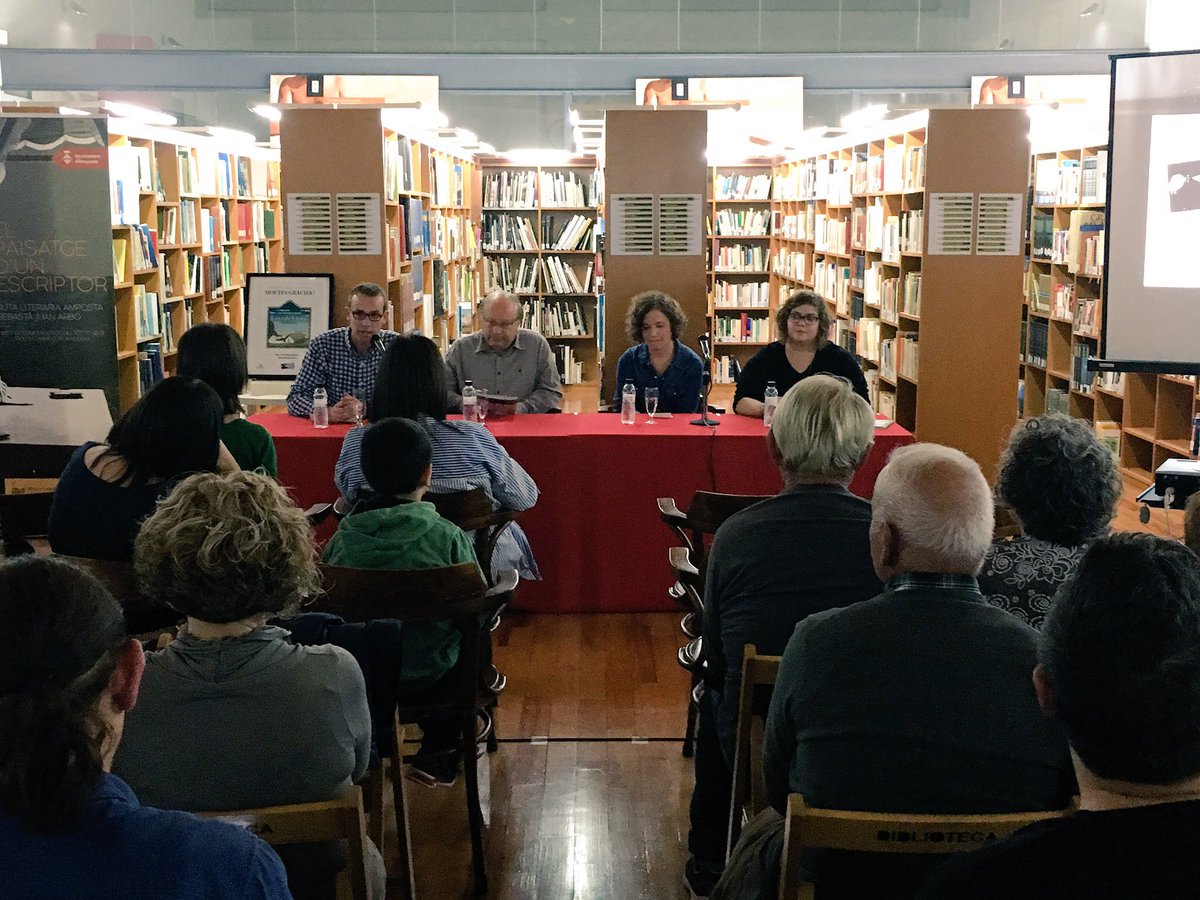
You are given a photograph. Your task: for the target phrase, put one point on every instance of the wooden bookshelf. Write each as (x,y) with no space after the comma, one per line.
(850,224)
(205,215)
(541,243)
(427,199)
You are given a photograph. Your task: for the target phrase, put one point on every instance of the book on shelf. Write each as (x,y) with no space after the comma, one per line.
(1095,178)
(511,189)
(742,222)
(746,293)
(570,367)
(150,367)
(243,177)
(120,256)
(1109,434)
(576,233)
(564,189)
(743,187)
(503,231)
(166,274)
(168,225)
(742,328)
(146,312)
(1085,242)
(143,248)
(728,370)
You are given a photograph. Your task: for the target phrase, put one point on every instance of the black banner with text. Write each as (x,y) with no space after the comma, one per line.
(57,327)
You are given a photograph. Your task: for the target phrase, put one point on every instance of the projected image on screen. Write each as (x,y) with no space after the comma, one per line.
(1173,202)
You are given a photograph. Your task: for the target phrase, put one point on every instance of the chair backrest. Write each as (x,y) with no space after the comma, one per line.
(142,614)
(870,832)
(301,823)
(705,514)
(1005,523)
(754,702)
(472,511)
(447,592)
(24,516)
(688,577)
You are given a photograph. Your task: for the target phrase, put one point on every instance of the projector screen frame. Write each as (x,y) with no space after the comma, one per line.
(1099,363)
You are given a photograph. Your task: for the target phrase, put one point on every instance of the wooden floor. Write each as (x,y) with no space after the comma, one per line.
(588,793)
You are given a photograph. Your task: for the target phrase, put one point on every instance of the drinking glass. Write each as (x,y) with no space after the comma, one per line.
(651,395)
(482,406)
(360,406)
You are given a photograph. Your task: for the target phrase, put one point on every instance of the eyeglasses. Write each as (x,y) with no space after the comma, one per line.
(361,315)
(806,318)
(498,323)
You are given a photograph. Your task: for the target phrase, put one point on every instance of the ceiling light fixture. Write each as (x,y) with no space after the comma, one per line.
(268,112)
(139,113)
(77,9)
(1091,10)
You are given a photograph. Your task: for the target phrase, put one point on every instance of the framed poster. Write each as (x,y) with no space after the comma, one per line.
(283,314)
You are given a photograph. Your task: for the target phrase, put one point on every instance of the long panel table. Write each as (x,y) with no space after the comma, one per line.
(595,530)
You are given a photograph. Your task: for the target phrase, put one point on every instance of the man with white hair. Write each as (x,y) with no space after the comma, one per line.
(504,359)
(802,551)
(920,699)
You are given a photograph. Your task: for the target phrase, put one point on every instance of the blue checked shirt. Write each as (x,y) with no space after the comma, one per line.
(332,362)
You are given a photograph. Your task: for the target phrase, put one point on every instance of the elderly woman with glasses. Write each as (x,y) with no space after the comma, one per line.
(803,349)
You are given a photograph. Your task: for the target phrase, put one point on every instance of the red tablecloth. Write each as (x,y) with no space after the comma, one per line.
(595,531)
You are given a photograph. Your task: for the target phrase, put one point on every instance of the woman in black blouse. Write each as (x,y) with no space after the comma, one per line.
(802,350)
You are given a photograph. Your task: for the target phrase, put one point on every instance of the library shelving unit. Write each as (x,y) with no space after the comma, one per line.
(423,194)
(1145,417)
(191,217)
(852,226)
(741,248)
(541,240)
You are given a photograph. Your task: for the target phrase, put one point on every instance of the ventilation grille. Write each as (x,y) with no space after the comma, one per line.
(679,225)
(358,228)
(951,224)
(632,218)
(310,224)
(999,228)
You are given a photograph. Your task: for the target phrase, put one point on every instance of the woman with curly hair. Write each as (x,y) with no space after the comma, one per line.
(1063,485)
(232,714)
(654,322)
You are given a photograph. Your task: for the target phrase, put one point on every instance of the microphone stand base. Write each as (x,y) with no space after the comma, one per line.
(705,420)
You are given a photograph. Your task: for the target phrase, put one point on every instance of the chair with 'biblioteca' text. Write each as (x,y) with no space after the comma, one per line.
(455,593)
(303,823)
(871,832)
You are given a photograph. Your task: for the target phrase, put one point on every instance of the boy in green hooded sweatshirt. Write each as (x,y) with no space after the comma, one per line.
(398,531)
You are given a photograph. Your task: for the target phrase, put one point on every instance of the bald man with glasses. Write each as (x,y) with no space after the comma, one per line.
(504,359)
(344,360)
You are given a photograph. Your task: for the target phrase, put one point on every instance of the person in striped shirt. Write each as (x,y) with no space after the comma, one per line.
(411,384)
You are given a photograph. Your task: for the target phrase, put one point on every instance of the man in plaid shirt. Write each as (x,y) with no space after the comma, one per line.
(344,360)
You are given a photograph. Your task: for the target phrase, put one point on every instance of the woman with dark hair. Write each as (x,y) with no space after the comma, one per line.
(68,828)
(216,354)
(654,322)
(803,349)
(411,384)
(1063,485)
(107,489)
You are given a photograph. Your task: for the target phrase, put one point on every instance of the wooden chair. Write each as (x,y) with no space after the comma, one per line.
(460,594)
(754,702)
(472,511)
(1006,524)
(143,617)
(868,832)
(691,655)
(695,529)
(23,517)
(299,823)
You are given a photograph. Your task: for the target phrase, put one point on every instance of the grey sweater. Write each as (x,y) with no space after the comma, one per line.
(244,722)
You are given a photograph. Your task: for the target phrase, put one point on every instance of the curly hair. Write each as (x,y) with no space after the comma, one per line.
(804,298)
(61,633)
(648,301)
(1061,482)
(224,547)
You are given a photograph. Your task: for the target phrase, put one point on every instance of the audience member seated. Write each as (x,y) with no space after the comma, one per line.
(396,530)
(504,360)
(412,385)
(1120,667)
(216,354)
(919,699)
(802,350)
(68,827)
(801,552)
(1191,523)
(1063,486)
(658,358)
(106,490)
(232,713)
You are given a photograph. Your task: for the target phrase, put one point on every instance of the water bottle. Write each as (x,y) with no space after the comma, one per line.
(628,403)
(320,408)
(770,402)
(470,403)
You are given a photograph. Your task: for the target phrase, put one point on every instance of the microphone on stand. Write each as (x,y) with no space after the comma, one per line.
(705,345)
